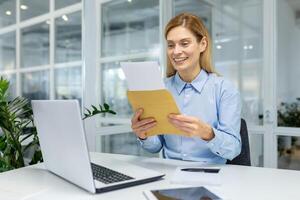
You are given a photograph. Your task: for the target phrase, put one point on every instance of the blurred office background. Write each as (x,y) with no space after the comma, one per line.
(71,49)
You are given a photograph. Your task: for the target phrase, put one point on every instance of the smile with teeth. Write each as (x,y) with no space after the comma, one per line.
(180,59)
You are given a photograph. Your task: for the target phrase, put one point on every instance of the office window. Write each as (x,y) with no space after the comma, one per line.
(7,12)
(288,62)
(68,37)
(35,45)
(30,57)
(288,150)
(287,81)
(114,88)
(8,51)
(238,52)
(35,85)
(33,8)
(199,8)
(63,3)
(68,83)
(129,27)
(32,72)
(123,143)
(129,31)
(257,149)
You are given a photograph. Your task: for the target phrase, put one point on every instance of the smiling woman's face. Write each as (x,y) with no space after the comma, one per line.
(184,50)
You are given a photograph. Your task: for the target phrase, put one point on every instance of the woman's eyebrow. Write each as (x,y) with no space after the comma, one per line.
(188,39)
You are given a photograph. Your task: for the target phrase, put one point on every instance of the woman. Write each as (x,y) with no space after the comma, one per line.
(209,104)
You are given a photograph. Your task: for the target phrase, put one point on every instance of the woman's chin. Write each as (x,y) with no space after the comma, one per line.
(180,67)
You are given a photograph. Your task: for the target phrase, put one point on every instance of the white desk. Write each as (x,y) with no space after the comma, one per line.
(239,182)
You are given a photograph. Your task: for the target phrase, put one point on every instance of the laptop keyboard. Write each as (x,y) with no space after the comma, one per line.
(106,175)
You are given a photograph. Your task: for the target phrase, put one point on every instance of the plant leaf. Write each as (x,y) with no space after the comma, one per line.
(106,106)
(97,111)
(37,157)
(112,112)
(4,84)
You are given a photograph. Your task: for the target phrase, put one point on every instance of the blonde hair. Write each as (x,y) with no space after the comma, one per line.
(196,26)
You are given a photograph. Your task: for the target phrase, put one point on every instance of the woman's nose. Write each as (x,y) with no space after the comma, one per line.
(177,49)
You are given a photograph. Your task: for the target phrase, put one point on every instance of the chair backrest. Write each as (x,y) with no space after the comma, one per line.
(244,157)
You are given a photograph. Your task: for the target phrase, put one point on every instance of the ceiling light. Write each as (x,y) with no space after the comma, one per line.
(8,12)
(250,47)
(219,47)
(24,7)
(245,47)
(129,1)
(65,17)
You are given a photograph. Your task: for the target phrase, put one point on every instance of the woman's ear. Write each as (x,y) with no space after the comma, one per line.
(203,44)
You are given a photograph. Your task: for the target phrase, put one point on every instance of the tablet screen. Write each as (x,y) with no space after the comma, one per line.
(192,193)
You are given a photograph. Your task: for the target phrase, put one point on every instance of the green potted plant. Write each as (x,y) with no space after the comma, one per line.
(288,116)
(18,134)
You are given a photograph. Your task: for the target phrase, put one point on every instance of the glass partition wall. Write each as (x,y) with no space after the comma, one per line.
(128,32)
(288,92)
(238,56)
(40,48)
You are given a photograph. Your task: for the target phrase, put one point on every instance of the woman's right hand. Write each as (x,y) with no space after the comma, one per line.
(140,127)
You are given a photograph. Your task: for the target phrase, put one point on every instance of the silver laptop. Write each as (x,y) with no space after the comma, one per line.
(65,152)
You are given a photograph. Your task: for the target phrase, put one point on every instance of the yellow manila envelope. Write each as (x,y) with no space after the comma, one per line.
(157,104)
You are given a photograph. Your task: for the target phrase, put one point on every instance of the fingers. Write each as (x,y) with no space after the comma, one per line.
(145,128)
(186,127)
(137,115)
(183,121)
(140,127)
(187,124)
(142,123)
(192,128)
(178,123)
(141,131)
(183,118)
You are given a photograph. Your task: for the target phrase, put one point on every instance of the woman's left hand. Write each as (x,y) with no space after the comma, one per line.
(192,126)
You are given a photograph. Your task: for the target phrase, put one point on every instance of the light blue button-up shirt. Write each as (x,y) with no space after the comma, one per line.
(213,100)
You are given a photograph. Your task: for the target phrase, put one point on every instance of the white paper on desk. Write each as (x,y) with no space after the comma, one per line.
(143,75)
(196,178)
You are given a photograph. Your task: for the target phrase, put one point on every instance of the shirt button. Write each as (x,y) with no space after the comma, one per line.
(218,153)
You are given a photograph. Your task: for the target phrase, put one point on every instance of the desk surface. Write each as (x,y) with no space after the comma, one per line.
(238,182)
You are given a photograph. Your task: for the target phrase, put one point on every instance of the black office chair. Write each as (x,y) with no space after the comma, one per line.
(244,157)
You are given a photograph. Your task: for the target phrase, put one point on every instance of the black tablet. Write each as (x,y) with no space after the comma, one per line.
(190,193)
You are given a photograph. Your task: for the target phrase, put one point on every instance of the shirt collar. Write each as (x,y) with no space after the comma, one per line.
(198,83)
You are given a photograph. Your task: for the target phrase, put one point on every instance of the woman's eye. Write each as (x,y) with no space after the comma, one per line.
(185,44)
(170,45)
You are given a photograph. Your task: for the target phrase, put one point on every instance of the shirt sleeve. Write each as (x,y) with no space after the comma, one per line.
(152,144)
(227,140)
